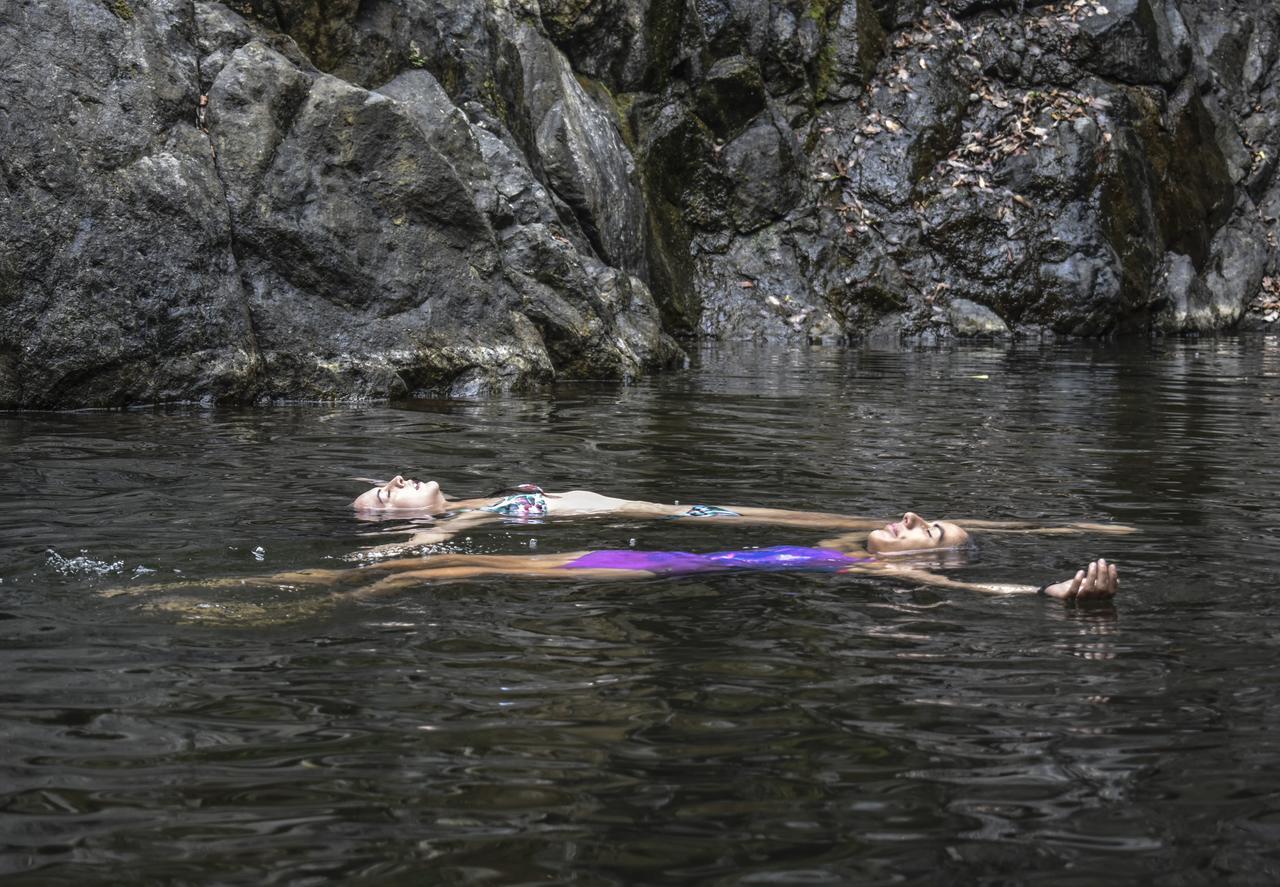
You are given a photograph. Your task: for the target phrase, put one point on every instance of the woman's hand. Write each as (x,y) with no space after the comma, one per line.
(1096,583)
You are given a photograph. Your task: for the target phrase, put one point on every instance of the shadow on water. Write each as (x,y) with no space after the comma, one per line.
(724,729)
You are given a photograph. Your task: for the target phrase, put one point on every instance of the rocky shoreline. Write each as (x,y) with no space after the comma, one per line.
(352,200)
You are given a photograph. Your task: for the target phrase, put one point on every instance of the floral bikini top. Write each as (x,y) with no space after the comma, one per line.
(708,511)
(525,500)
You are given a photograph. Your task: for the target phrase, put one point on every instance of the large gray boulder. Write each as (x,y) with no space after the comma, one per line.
(117,278)
(192,209)
(582,154)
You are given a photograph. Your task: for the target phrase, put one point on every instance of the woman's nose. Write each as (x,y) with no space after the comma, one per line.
(911,518)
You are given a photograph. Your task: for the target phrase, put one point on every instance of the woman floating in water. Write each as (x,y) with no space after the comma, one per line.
(399,497)
(884,551)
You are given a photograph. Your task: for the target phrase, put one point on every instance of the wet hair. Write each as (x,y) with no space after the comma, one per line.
(955,556)
(518,488)
(967,547)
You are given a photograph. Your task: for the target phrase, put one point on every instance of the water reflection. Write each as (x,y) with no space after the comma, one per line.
(705,729)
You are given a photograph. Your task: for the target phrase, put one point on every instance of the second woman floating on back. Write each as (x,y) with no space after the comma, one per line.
(408,498)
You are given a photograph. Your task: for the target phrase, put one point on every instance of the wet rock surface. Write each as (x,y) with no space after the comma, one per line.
(194,209)
(360,200)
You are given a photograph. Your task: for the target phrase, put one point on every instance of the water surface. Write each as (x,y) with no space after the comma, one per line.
(727,729)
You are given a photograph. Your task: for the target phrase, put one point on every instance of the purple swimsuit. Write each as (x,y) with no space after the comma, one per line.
(781,557)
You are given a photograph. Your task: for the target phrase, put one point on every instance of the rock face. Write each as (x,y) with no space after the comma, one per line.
(193,209)
(371,198)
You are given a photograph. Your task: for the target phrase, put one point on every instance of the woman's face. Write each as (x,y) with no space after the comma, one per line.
(399,494)
(914,533)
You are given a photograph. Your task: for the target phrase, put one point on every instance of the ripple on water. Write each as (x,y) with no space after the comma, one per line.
(724,729)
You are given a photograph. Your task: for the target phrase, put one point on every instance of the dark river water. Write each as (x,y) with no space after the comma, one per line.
(723,729)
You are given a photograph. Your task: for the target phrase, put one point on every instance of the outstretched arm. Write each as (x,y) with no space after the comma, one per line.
(831,521)
(1072,529)
(434,535)
(784,517)
(1098,581)
(823,520)
(389,572)
(855,540)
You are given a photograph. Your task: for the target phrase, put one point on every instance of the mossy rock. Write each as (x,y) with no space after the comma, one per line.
(731,96)
(853,42)
(671,270)
(676,161)
(10,391)
(1197,193)
(662,27)
(561,17)
(323,30)
(10,286)
(1165,182)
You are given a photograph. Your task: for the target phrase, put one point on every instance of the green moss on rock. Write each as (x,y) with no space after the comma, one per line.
(674,163)
(731,96)
(847,55)
(662,28)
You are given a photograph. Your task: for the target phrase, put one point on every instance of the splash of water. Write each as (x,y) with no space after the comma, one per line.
(82,565)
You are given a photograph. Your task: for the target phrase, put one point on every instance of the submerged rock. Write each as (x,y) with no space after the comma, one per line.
(970,319)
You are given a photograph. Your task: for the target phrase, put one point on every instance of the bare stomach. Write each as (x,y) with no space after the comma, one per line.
(587,502)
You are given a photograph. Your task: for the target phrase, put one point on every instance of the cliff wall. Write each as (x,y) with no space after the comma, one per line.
(368,198)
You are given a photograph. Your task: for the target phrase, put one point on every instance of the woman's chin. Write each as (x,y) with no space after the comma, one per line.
(415,508)
(896,549)
(876,544)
